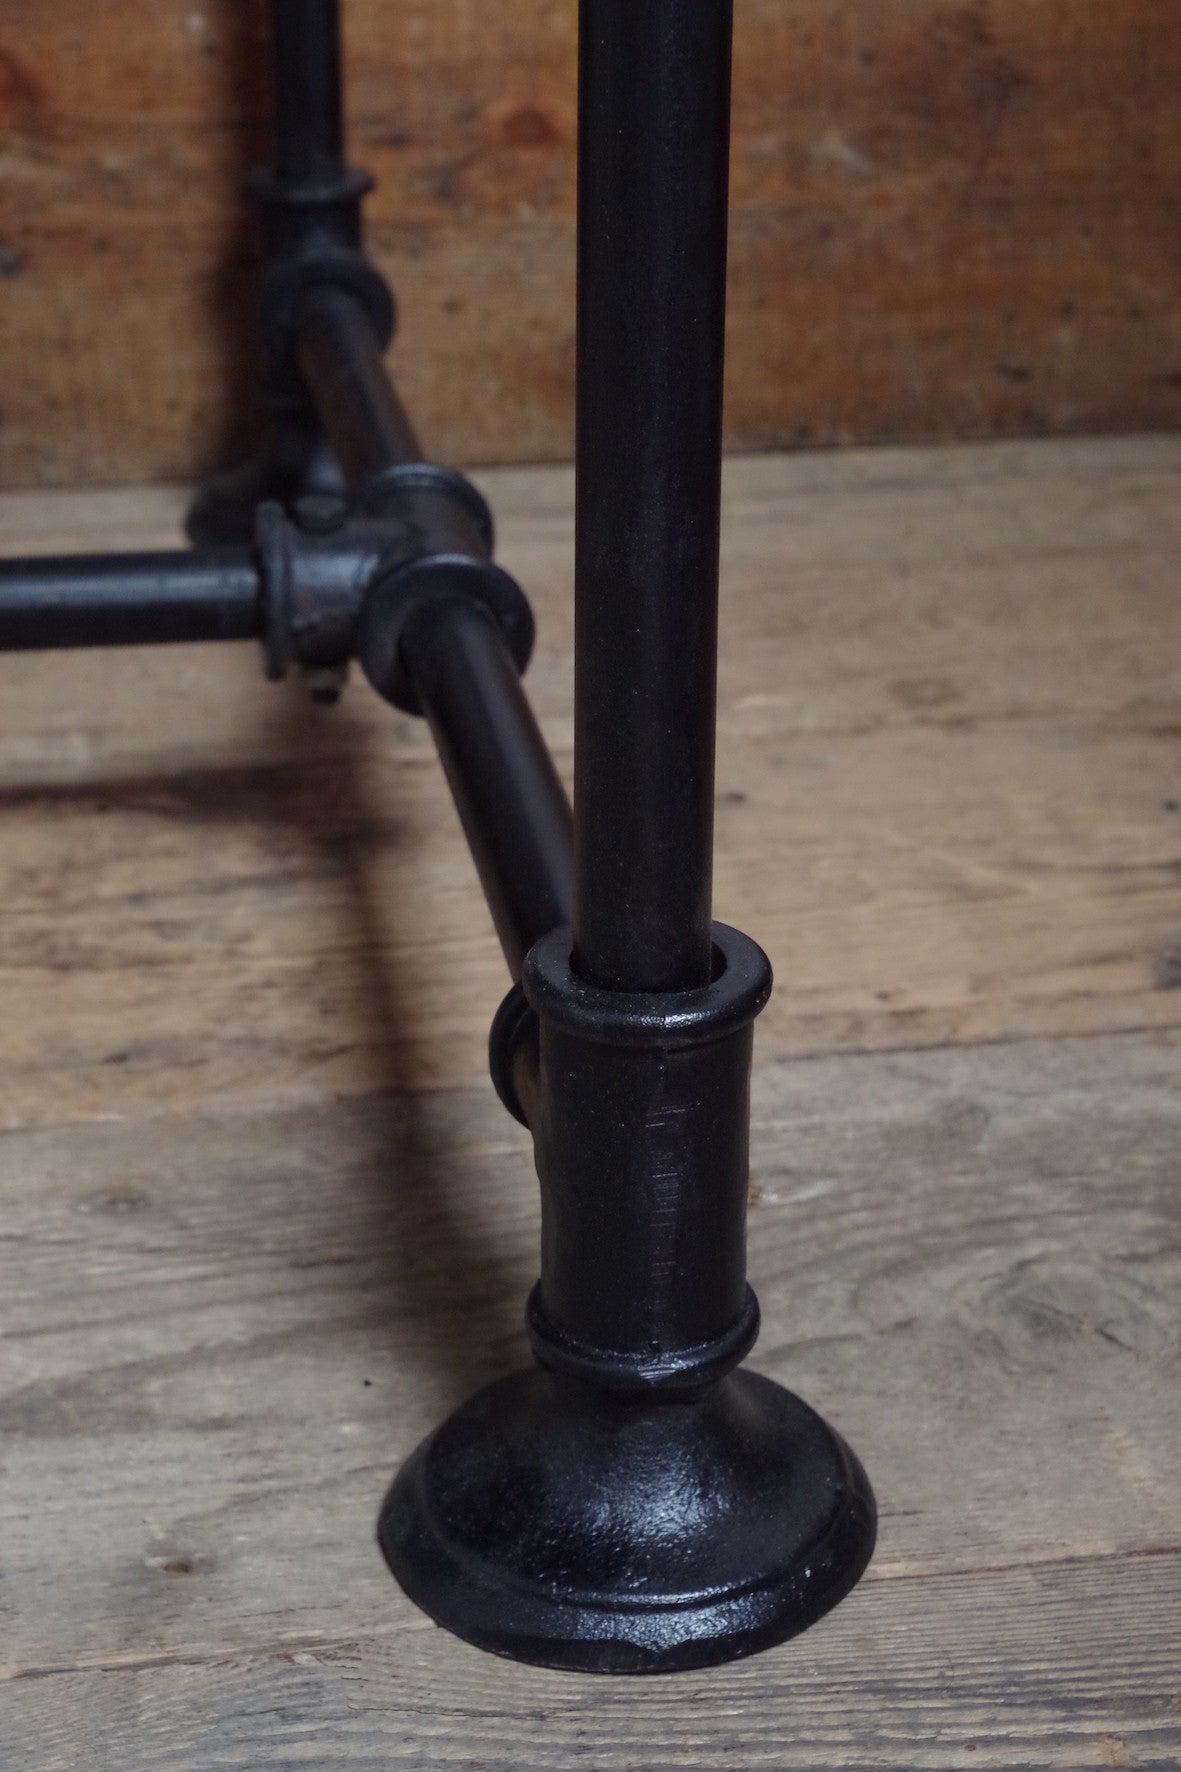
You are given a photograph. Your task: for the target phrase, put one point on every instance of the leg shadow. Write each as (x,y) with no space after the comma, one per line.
(461,1280)
(428,1244)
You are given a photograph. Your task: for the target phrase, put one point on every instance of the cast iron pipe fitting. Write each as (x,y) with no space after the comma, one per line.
(341,580)
(635,1505)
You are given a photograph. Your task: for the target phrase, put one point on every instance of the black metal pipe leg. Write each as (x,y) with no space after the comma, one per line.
(654,93)
(309,201)
(308,99)
(635,1504)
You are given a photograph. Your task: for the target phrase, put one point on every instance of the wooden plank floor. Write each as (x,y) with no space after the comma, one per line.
(263,1221)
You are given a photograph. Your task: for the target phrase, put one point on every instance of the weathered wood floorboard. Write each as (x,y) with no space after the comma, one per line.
(262,1221)
(948,795)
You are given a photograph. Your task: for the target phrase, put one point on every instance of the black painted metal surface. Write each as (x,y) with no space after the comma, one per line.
(637,1506)
(309,206)
(340,357)
(558,1524)
(640,1131)
(512,804)
(128,599)
(653,131)
(308,90)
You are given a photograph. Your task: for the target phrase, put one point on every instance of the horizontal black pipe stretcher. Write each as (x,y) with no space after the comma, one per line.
(129,599)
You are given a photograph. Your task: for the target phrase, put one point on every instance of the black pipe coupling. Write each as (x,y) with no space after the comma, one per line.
(313,238)
(640,1110)
(314,573)
(449,558)
(342,580)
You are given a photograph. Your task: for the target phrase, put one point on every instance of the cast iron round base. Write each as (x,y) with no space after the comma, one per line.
(560,1525)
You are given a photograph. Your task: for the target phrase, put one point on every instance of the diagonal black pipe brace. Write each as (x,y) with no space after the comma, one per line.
(510,800)
(448,636)
(339,355)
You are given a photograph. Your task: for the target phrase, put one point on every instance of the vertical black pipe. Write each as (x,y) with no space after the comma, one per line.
(654,98)
(309,121)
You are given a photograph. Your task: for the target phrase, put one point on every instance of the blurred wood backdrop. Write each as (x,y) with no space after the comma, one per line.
(948,219)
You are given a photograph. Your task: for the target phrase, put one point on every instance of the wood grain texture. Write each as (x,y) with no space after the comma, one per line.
(1033,1682)
(225,1331)
(950,217)
(263,1221)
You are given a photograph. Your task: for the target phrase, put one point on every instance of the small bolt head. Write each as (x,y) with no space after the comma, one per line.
(320,513)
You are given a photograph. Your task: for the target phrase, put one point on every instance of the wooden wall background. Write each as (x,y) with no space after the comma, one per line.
(948,219)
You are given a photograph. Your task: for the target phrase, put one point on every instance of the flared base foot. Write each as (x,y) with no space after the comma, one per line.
(559,1525)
